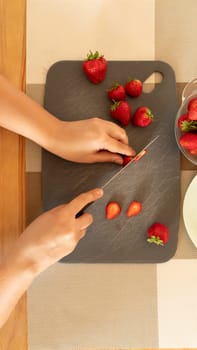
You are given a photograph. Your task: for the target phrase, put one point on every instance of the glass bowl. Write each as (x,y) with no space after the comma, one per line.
(189,92)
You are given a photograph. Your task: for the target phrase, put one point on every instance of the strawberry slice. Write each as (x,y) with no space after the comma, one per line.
(112,210)
(126,160)
(158,234)
(134,208)
(95,67)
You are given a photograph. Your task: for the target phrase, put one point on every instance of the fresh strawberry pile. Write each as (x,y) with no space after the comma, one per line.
(120,110)
(187,123)
(95,68)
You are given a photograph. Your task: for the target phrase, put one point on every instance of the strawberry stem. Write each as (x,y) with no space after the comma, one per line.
(188,125)
(115,105)
(155,239)
(93,56)
(150,114)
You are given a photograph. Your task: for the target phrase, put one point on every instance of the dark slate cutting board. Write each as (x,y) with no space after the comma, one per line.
(154,180)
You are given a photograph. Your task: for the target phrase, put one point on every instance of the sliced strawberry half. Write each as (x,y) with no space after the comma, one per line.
(134,208)
(112,210)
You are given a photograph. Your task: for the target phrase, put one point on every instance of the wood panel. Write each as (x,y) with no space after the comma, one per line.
(12,176)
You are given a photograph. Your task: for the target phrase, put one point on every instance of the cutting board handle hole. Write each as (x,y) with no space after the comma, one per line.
(152,82)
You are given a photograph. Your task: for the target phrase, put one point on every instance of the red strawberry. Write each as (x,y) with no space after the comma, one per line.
(126,160)
(95,67)
(134,87)
(193,151)
(189,141)
(181,119)
(142,117)
(134,208)
(158,234)
(121,111)
(117,92)
(192,104)
(192,114)
(112,210)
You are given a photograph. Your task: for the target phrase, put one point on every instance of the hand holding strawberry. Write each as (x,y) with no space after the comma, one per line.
(95,67)
(89,141)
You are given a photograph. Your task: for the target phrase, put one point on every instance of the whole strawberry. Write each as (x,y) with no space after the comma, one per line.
(181,119)
(142,117)
(117,92)
(192,104)
(112,210)
(121,111)
(189,141)
(95,67)
(134,87)
(158,234)
(192,114)
(193,151)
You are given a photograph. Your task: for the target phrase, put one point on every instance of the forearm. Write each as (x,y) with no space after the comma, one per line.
(15,279)
(22,115)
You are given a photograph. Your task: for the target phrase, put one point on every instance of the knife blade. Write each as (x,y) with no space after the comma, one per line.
(135,159)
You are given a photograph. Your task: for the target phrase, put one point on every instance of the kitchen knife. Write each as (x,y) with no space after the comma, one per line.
(133,160)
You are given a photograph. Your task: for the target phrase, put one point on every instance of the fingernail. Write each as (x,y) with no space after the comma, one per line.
(118,160)
(99,192)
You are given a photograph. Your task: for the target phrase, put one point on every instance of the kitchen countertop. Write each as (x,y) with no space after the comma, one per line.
(96,307)
(12,157)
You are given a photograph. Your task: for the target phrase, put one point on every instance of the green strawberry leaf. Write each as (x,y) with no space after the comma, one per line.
(155,239)
(149,113)
(115,105)
(93,56)
(188,125)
